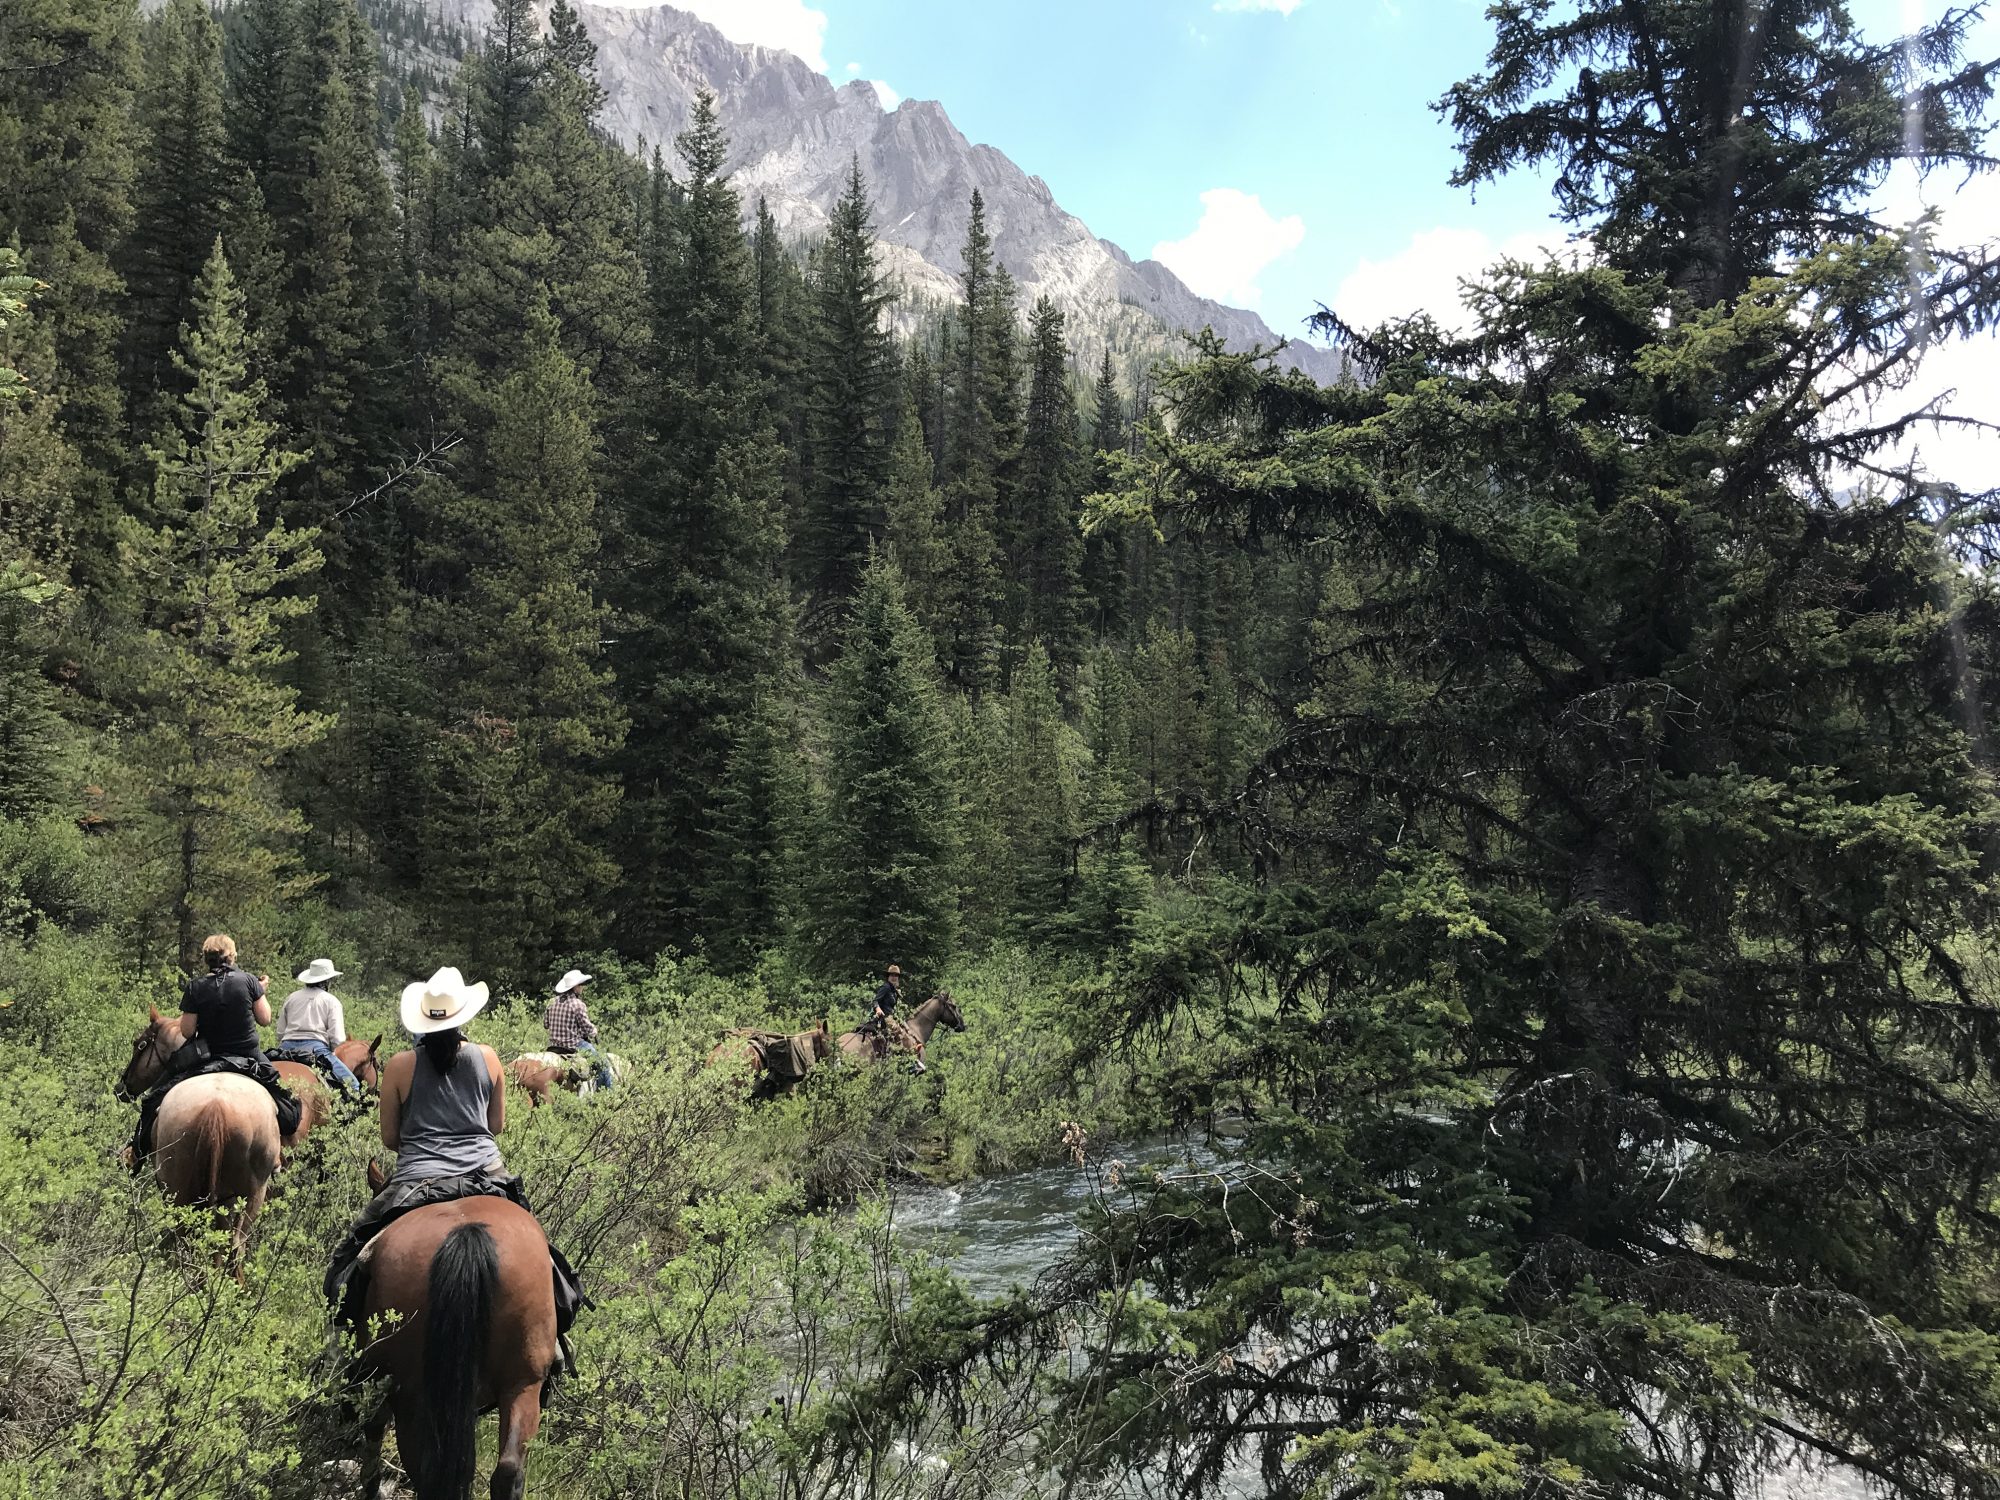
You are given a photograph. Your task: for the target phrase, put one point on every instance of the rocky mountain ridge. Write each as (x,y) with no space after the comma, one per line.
(793,134)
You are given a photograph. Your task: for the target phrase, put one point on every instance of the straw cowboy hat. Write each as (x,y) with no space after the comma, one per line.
(571,980)
(319,971)
(441,1002)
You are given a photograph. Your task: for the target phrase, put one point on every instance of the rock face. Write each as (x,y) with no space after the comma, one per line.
(793,133)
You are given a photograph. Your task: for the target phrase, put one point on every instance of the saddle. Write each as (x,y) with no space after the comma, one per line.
(195,1061)
(785,1057)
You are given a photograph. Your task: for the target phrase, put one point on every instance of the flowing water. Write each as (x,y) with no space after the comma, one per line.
(1001,1232)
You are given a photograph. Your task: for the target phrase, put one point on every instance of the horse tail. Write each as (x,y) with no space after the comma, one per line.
(211,1131)
(464,1274)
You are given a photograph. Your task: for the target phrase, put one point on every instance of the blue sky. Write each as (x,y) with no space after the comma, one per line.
(1276,153)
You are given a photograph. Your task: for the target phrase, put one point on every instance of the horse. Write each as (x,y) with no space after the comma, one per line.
(772,1060)
(474,1331)
(912,1036)
(215,1144)
(315,1102)
(363,1060)
(535,1073)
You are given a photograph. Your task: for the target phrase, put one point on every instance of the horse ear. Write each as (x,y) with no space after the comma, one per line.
(823,1024)
(155,1010)
(375,1044)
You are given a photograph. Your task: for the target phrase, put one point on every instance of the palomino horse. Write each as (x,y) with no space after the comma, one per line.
(363,1060)
(773,1061)
(475,1331)
(538,1072)
(216,1142)
(911,1035)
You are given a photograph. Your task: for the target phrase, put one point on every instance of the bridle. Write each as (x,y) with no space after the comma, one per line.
(152,1043)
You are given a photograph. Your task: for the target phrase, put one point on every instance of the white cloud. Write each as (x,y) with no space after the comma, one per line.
(889,97)
(1425,276)
(1229,249)
(790,25)
(1282,7)
(852,69)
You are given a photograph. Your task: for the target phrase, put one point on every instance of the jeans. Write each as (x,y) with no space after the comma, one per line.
(314,1045)
(603,1063)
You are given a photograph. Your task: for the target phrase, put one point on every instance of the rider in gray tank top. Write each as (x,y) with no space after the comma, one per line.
(444,1128)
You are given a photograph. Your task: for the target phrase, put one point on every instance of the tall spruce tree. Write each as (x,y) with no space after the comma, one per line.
(974,587)
(179,193)
(1045,545)
(851,366)
(65,203)
(1042,815)
(759,837)
(882,883)
(209,833)
(914,520)
(1104,567)
(1633,1088)
(519,794)
(702,543)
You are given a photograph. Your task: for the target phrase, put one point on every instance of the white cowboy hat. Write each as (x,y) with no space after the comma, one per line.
(571,980)
(319,971)
(441,1002)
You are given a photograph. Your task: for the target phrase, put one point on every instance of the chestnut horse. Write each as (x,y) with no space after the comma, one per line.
(751,1050)
(912,1035)
(475,1331)
(216,1142)
(538,1072)
(363,1060)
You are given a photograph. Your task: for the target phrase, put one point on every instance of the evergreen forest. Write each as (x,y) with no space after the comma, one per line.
(1478,879)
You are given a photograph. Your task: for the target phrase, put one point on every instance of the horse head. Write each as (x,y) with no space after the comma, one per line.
(367,1067)
(159,1040)
(948,1011)
(822,1043)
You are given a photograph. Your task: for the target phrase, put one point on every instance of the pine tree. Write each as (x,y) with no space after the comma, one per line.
(1112,884)
(1045,545)
(882,881)
(1042,813)
(914,523)
(1104,578)
(519,794)
(973,594)
(210,835)
(784,310)
(702,547)
(758,838)
(65,180)
(179,193)
(850,364)
(37,471)
(1625,949)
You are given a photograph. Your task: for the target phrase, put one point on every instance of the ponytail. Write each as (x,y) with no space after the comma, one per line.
(441,1047)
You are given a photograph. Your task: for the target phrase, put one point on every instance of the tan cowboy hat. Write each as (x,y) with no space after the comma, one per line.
(441,1002)
(319,971)
(897,970)
(571,980)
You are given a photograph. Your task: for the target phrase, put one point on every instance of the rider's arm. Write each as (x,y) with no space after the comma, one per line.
(190,1023)
(496,1102)
(337,1021)
(262,1011)
(395,1085)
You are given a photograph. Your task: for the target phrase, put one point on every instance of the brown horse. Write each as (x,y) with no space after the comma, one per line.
(475,1331)
(216,1143)
(536,1073)
(363,1060)
(912,1035)
(315,1103)
(773,1061)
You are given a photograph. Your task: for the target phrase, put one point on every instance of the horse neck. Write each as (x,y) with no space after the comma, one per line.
(924,1019)
(163,1044)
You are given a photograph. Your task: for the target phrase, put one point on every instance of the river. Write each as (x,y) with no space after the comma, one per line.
(1002,1232)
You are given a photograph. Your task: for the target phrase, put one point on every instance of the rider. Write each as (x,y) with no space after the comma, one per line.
(882,1009)
(311,1021)
(220,1013)
(442,1107)
(570,1028)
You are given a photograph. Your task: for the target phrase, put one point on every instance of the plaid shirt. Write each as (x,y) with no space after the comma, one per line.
(568,1023)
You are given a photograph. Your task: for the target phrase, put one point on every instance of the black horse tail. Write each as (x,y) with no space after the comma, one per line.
(463,1275)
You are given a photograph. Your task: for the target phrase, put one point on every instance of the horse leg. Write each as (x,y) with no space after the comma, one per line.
(520,1415)
(373,1428)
